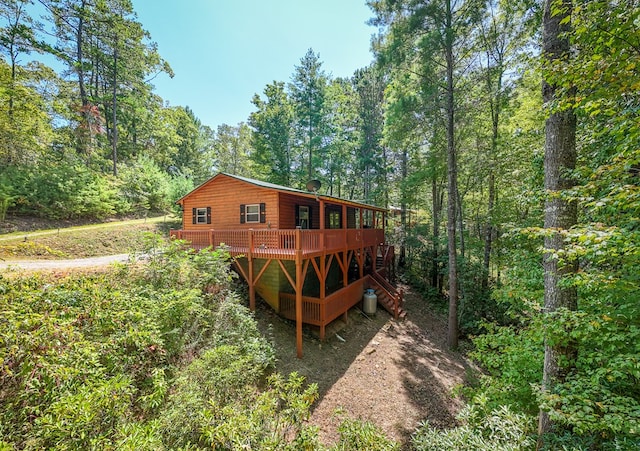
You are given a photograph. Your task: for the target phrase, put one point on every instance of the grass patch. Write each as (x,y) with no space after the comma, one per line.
(91,241)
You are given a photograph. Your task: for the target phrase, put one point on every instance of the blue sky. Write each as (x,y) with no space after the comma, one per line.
(225,51)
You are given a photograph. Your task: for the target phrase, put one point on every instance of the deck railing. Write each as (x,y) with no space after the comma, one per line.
(322,311)
(282,243)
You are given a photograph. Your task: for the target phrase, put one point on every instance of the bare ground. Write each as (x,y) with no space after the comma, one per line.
(395,374)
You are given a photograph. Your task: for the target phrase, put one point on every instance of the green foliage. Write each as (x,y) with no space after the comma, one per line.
(5,201)
(358,434)
(271,138)
(274,418)
(482,429)
(87,417)
(179,186)
(145,187)
(61,190)
(136,358)
(177,264)
(512,357)
(29,248)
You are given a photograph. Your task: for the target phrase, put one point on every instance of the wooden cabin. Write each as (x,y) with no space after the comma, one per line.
(309,256)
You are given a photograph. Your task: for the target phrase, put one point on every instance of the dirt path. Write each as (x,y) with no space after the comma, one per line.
(392,373)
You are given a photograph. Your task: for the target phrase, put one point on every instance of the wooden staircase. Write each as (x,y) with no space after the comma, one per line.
(389,297)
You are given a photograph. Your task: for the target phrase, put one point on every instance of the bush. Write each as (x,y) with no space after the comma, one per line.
(357,435)
(113,361)
(179,186)
(60,190)
(145,187)
(273,419)
(482,430)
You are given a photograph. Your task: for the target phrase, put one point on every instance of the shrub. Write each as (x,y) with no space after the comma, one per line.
(145,186)
(481,430)
(272,419)
(357,434)
(60,190)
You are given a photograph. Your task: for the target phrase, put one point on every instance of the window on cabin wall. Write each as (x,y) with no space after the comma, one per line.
(201,215)
(253,213)
(335,220)
(303,216)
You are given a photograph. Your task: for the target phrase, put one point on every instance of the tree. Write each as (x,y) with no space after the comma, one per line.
(560,210)
(109,53)
(272,133)
(71,19)
(502,34)
(308,89)
(16,37)
(341,140)
(430,34)
(370,85)
(232,149)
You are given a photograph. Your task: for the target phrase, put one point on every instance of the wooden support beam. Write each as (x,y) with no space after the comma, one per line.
(252,283)
(286,273)
(264,268)
(322,275)
(328,264)
(361,258)
(298,288)
(239,268)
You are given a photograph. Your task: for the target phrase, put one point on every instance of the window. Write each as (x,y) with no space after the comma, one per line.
(253,213)
(334,220)
(303,217)
(201,215)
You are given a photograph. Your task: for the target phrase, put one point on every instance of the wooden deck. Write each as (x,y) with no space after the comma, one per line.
(282,244)
(312,250)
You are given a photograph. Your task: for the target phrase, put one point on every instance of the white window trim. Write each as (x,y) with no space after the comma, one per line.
(201,215)
(255,214)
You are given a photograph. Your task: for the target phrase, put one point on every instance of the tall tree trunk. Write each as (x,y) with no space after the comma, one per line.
(114,92)
(80,54)
(437,205)
(452,182)
(488,233)
(560,213)
(402,260)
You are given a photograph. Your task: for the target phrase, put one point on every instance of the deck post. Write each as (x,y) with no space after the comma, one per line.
(298,289)
(345,253)
(323,248)
(252,286)
(211,238)
(384,223)
(361,260)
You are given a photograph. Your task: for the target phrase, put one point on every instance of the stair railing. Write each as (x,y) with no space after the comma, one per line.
(391,292)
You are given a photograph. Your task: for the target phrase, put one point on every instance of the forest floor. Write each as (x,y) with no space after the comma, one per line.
(394,374)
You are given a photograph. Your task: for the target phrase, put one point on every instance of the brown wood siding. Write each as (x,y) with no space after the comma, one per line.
(287,218)
(225,195)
